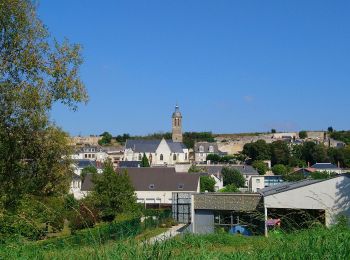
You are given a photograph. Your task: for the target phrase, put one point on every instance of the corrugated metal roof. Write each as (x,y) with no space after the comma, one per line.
(278,188)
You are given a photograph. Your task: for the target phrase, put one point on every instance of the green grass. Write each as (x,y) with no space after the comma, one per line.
(318,243)
(149,233)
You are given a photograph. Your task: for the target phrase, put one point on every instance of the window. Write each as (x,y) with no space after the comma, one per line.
(185,156)
(161,157)
(85,155)
(151,186)
(201,148)
(257,180)
(180,186)
(174,157)
(140,158)
(211,149)
(93,155)
(89,155)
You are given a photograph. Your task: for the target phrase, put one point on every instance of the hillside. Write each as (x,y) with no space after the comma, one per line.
(317,243)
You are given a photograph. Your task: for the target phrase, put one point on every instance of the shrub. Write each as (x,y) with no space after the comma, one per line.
(85,217)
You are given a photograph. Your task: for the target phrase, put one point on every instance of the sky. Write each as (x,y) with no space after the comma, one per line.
(232,66)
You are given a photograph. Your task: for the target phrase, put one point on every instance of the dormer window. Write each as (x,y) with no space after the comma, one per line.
(180,186)
(151,186)
(201,148)
(211,149)
(174,157)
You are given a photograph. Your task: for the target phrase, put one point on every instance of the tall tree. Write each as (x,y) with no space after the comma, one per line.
(207,183)
(106,139)
(258,150)
(280,153)
(144,161)
(232,176)
(113,192)
(35,72)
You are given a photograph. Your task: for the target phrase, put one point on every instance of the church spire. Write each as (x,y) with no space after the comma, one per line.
(177,125)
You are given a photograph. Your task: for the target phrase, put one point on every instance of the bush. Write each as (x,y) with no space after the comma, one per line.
(260,166)
(85,217)
(279,169)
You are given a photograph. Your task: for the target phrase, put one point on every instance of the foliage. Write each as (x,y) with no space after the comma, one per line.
(33,217)
(321,175)
(260,166)
(258,150)
(144,161)
(207,183)
(280,153)
(214,158)
(302,134)
(232,176)
(113,193)
(273,131)
(315,243)
(122,138)
(189,138)
(35,72)
(83,217)
(343,136)
(340,155)
(87,170)
(195,168)
(106,139)
(229,188)
(330,129)
(279,169)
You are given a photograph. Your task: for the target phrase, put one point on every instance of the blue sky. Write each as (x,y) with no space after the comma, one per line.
(232,66)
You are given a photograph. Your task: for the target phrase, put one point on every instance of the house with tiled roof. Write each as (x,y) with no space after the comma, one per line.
(154,185)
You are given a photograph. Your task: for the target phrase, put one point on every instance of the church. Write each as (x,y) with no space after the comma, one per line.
(160,152)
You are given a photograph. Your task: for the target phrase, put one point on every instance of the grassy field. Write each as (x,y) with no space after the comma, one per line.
(319,243)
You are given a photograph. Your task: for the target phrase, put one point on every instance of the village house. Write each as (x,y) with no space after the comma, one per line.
(154,186)
(203,149)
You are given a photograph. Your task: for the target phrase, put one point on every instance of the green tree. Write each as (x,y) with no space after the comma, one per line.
(280,153)
(320,175)
(330,129)
(106,139)
(229,188)
(144,161)
(215,158)
(87,170)
(113,192)
(207,183)
(195,168)
(273,131)
(279,169)
(302,134)
(260,166)
(232,176)
(35,73)
(258,150)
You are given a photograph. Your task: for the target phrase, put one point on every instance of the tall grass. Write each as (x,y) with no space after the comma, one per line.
(317,243)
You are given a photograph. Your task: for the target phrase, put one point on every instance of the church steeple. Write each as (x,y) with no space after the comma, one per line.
(177,125)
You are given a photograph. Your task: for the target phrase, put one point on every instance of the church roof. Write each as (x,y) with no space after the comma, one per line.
(150,146)
(177,112)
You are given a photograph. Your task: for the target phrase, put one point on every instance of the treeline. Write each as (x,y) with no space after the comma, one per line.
(343,136)
(309,152)
(189,138)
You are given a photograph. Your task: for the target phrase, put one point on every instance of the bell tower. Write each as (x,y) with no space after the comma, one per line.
(177,125)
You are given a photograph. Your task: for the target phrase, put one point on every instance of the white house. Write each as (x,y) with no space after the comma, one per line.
(90,152)
(155,185)
(203,149)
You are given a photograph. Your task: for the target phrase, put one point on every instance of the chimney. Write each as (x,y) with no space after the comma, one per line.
(338,164)
(308,164)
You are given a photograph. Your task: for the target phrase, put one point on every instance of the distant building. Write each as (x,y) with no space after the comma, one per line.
(90,152)
(327,167)
(203,149)
(160,152)
(258,182)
